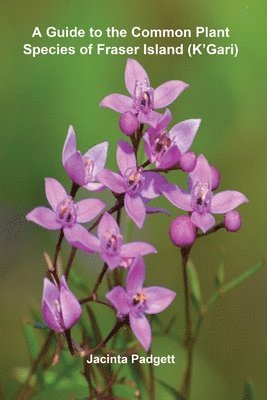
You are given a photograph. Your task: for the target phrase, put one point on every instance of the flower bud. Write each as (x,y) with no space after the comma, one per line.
(128,123)
(232,221)
(61,310)
(182,231)
(216,178)
(188,161)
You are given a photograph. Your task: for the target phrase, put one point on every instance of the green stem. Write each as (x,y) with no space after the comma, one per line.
(186,384)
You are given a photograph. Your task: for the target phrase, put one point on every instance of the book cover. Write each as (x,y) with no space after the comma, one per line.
(133,187)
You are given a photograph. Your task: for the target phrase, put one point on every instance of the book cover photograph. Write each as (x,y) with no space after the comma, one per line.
(133,187)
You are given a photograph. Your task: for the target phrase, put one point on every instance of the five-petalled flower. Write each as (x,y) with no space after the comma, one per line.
(166,148)
(144,99)
(65,213)
(137,185)
(61,310)
(82,169)
(109,244)
(136,300)
(200,201)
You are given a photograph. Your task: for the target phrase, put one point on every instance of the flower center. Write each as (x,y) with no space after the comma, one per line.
(143,96)
(138,303)
(160,146)
(111,242)
(89,166)
(139,299)
(201,197)
(67,212)
(134,181)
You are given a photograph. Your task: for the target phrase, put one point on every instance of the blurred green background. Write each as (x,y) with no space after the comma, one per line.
(41,97)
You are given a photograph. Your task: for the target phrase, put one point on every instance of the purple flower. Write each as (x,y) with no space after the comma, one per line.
(166,148)
(138,185)
(109,244)
(144,99)
(65,213)
(200,200)
(61,310)
(82,169)
(137,300)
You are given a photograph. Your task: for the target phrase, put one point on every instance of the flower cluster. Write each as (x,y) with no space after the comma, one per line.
(133,186)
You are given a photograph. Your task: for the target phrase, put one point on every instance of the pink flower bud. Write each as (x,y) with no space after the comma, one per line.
(232,221)
(188,161)
(182,231)
(216,178)
(128,123)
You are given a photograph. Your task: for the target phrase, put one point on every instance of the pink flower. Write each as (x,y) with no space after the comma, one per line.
(61,310)
(109,244)
(165,148)
(144,99)
(136,301)
(65,213)
(200,200)
(82,169)
(137,185)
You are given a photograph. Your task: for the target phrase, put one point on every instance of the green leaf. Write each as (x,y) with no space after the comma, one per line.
(233,283)
(194,285)
(31,339)
(248,391)
(241,278)
(171,390)
(219,278)
(124,391)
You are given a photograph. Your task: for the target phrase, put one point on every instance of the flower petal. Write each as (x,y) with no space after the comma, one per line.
(117,102)
(74,166)
(162,123)
(153,184)
(170,158)
(50,292)
(203,221)
(226,201)
(94,187)
(125,156)
(202,173)
(55,192)
(142,330)
(184,133)
(134,72)
(79,237)
(70,145)
(70,306)
(166,93)
(112,261)
(88,209)
(136,277)
(135,248)
(98,154)
(44,217)
(106,224)
(119,299)
(150,118)
(50,296)
(50,318)
(177,197)
(111,180)
(156,210)
(135,208)
(157,299)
